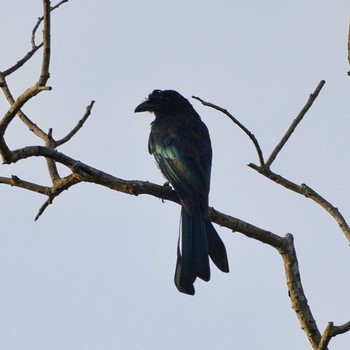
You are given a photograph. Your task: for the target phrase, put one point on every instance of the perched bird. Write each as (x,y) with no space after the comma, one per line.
(180,143)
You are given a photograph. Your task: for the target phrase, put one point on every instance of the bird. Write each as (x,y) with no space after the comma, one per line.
(180,143)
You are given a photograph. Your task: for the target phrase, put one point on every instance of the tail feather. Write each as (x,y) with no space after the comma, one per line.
(216,248)
(198,240)
(193,257)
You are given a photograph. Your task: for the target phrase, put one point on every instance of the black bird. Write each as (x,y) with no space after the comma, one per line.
(181,145)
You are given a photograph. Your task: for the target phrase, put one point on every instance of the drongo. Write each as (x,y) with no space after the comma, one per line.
(180,143)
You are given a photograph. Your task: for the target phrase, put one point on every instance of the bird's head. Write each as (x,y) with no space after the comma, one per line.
(162,101)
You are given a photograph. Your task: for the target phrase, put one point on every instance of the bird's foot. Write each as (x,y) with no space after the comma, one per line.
(165,187)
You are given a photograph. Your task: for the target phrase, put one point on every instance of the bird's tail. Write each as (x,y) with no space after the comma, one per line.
(216,248)
(198,240)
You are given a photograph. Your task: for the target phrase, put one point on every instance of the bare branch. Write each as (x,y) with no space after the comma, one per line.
(349,47)
(32,127)
(5,89)
(239,124)
(326,337)
(83,172)
(332,331)
(245,228)
(17,182)
(58,5)
(59,185)
(45,75)
(296,292)
(11,113)
(341,329)
(285,246)
(295,123)
(78,126)
(18,104)
(40,19)
(22,61)
(307,192)
(35,47)
(51,165)
(43,207)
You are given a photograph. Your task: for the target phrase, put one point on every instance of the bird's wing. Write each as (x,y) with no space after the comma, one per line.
(189,175)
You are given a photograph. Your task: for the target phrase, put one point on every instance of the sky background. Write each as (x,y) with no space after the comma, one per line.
(95,272)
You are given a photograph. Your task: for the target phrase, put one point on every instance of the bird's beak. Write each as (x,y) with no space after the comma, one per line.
(145,107)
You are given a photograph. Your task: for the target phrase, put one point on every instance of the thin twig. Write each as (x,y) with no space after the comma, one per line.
(43,207)
(35,47)
(349,47)
(40,19)
(239,124)
(22,61)
(30,186)
(295,123)
(44,75)
(58,5)
(79,125)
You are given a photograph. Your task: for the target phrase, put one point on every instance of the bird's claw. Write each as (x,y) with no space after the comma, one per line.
(165,187)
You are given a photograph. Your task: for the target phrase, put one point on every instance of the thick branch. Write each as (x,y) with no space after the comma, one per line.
(245,228)
(83,172)
(296,292)
(285,247)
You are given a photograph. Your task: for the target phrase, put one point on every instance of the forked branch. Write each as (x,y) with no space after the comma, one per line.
(332,331)
(298,299)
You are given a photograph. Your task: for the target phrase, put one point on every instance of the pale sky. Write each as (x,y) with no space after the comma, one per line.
(95,272)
